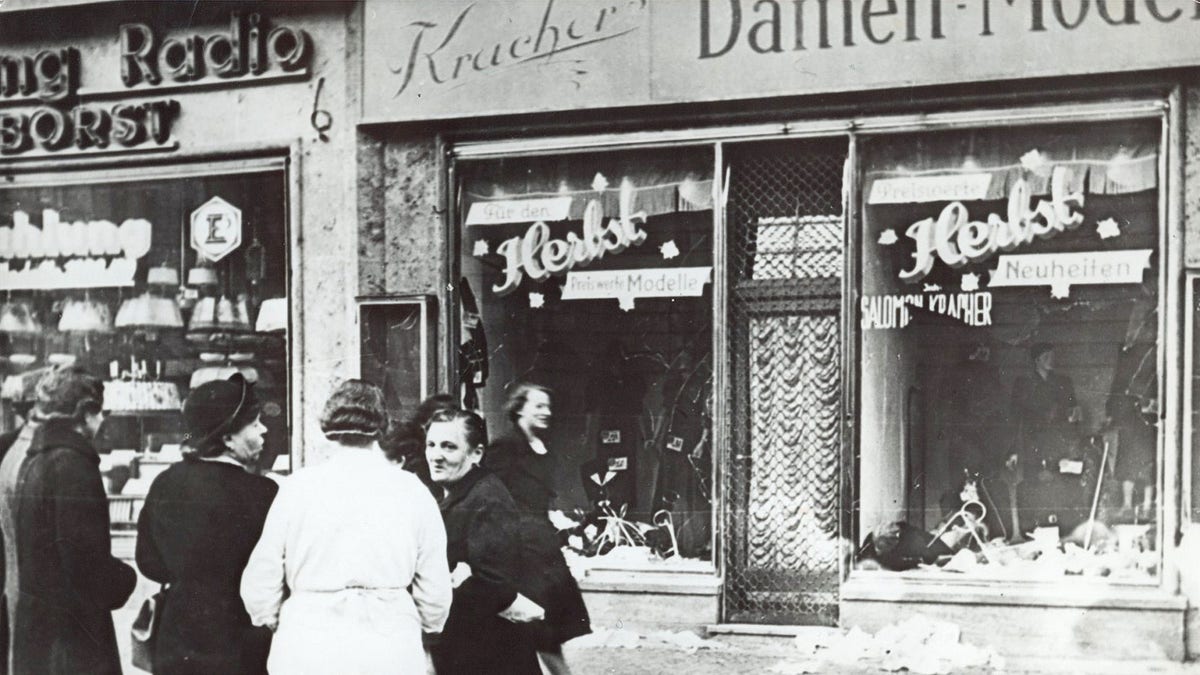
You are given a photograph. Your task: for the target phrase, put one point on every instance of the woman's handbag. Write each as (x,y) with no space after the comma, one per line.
(144,632)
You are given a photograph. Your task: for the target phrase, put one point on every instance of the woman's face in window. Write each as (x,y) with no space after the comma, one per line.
(448,454)
(246,444)
(535,414)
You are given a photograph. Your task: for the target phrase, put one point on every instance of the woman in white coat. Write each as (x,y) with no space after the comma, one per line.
(351,567)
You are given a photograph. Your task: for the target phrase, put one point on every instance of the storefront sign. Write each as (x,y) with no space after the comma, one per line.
(539,256)
(892,311)
(49,75)
(79,239)
(54,76)
(61,255)
(1060,271)
(248,48)
(465,58)
(913,189)
(425,57)
(676,282)
(87,126)
(78,273)
(216,229)
(956,240)
(519,211)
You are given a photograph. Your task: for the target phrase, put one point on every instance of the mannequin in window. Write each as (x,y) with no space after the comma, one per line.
(973,416)
(1046,416)
(685,458)
(613,405)
(1132,410)
(473,351)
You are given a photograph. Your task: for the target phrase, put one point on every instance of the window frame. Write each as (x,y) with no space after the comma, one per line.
(1167,108)
(1170,314)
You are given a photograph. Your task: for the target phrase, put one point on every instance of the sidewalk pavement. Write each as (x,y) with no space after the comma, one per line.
(769,655)
(733,655)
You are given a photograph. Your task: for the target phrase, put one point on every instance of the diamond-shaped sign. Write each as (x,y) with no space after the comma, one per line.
(216,229)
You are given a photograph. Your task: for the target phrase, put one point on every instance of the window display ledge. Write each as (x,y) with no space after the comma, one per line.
(663,583)
(876,587)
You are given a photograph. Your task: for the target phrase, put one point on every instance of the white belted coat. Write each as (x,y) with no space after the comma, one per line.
(342,546)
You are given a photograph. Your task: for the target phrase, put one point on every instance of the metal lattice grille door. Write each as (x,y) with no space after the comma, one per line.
(784,215)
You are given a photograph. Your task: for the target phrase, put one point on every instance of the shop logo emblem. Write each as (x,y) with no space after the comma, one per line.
(216,229)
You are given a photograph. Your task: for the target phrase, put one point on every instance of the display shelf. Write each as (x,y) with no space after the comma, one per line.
(123,510)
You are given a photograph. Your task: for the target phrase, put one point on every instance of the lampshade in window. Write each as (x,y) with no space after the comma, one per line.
(202,276)
(220,314)
(17,317)
(272,315)
(85,316)
(163,276)
(149,311)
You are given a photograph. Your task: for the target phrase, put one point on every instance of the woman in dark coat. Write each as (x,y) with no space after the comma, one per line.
(63,582)
(201,520)
(522,461)
(483,635)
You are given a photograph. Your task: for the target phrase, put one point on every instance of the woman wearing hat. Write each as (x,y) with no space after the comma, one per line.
(200,522)
(351,566)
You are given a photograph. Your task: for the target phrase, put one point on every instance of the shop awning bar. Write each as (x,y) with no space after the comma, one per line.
(1085,112)
(1101,111)
(560,144)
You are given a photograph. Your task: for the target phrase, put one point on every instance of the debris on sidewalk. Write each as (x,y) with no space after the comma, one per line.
(918,645)
(608,638)
(684,640)
(620,638)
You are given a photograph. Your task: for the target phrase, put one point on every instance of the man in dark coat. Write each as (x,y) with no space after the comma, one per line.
(55,515)
(7,440)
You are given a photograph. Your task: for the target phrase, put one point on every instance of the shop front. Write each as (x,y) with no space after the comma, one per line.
(833,335)
(153,218)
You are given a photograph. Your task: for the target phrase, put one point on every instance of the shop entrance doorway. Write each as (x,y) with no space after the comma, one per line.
(783,473)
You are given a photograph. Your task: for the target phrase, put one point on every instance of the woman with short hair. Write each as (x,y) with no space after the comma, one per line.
(523,462)
(351,566)
(483,634)
(199,524)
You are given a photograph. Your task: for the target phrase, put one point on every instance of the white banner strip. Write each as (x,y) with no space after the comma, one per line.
(676,282)
(519,211)
(1071,269)
(78,273)
(914,189)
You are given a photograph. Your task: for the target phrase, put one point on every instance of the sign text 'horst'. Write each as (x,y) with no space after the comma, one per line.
(66,119)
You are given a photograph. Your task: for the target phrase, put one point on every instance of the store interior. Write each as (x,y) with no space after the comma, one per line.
(104,275)
(1010,428)
(630,377)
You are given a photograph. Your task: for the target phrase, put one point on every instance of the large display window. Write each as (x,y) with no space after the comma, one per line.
(156,281)
(591,274)
(1008,322)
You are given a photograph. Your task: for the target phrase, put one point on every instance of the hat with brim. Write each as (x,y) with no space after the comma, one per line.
(214,408)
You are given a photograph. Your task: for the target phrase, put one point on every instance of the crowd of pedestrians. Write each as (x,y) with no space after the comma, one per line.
(414,548)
